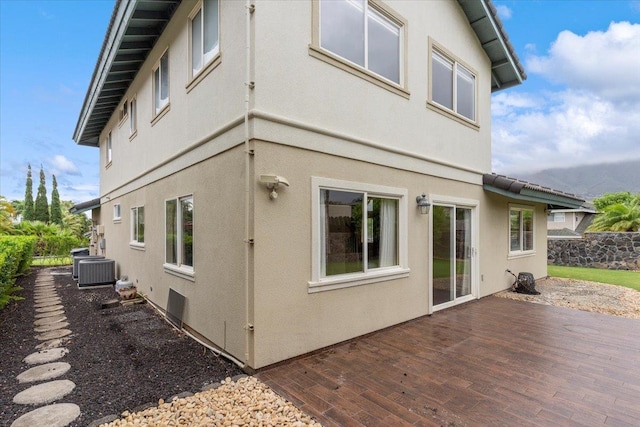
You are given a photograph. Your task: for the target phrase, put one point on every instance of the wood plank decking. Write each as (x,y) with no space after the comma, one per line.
(491,362)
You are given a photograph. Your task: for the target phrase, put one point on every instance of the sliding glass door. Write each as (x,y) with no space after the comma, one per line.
(452,254)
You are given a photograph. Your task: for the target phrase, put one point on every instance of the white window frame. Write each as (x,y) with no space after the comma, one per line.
(180,270)
(135,224)
(123,112)
(161,106)
(117,212)
(522,252)
(324,54)
(208,59)
(109,149)
(456,65)
(319,283)
(133,117)
(559,217)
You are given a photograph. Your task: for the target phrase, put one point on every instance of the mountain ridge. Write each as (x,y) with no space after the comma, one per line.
(589,181)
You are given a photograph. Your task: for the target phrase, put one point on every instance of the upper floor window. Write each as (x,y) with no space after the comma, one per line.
(179,235)
(453,86)
(204,34)
(161,83)
(109,148)
(116,212)
(124,110)
(364,34)
(133,119)
(137,225)
(521,233)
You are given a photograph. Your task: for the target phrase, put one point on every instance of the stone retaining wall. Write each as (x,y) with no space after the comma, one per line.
(614,251)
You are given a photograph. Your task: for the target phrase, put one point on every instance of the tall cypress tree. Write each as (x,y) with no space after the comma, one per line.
(56,210)
(28,213)
(42,205)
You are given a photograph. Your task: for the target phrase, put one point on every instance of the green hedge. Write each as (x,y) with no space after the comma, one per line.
(56,245)
(16,254)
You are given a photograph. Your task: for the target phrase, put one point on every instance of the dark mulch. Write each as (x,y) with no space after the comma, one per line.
(120,358)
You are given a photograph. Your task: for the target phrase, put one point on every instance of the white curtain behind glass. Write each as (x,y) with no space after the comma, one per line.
(388,232)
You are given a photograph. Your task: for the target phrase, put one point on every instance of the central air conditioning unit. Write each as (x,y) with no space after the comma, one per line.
(77,259)
(96,272)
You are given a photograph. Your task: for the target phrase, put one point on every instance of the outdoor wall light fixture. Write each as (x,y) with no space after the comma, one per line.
(423,204)
(272,182)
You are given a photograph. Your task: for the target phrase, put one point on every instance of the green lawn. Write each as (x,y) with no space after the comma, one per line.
(629,279)
(52,261)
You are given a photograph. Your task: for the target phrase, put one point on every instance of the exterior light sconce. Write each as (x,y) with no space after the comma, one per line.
(272,182)
(423,204)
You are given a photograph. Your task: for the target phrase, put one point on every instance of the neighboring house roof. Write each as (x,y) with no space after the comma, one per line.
(85,206)
(133,31)
(563,233)
(587,208)
(523,190)
(585,223)
(136,25)
(506,69)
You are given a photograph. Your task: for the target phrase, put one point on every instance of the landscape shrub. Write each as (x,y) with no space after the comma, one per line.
(16,253)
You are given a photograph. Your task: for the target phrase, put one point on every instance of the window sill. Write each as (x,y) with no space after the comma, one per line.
(515,255)
(123,121)
(163,111)
(182,272)
(452,115)
(351,280)
(108,165)
(336,61)
(137,246)
(117,220)
(204,72)
(133,135)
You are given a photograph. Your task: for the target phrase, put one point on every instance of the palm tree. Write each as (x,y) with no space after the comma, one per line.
(618,217)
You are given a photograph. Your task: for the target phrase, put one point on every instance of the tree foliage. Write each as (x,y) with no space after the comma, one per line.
(56,211)
(624,217)
(7,213)
(609,199)
(41,209)
(28,213)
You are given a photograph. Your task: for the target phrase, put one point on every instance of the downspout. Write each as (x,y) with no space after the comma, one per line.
(248,182)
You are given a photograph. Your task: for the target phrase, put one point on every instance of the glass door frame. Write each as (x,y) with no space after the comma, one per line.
(456,202)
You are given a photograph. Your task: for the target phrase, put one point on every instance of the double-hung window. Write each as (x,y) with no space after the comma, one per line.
(364,37)
(179,235)
(109,149)
(137,226)
(359,233)
(204,35)
(161,84)
(521,230)
(453,85)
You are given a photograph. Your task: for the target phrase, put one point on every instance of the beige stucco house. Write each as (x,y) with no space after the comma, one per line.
(267,160)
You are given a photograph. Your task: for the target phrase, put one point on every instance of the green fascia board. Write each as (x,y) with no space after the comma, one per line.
(537,197)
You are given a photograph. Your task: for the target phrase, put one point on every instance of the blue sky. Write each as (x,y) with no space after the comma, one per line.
(579,105)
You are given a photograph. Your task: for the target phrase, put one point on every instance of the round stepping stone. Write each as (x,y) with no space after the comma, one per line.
(44,393)
(50,320)
(52,327)
(49,314)
(47,304)
(45,356)
(53,343)
(44,372)
(58,333)
(49,308)
(56,415)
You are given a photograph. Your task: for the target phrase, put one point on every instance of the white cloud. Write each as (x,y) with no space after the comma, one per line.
(594,118)
(61,164)
(605,63)
(504,12)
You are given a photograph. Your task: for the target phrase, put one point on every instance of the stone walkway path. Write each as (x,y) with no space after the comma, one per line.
(50,327)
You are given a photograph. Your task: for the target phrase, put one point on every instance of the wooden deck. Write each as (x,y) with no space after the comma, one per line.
(491,362)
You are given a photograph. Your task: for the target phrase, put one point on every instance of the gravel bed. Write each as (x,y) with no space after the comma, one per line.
(585,296)
(122,359)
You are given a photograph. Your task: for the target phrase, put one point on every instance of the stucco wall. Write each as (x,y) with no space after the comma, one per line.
(614,251)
